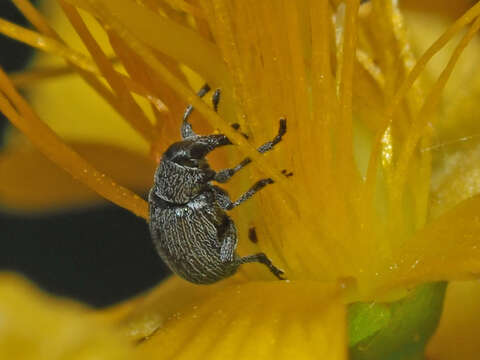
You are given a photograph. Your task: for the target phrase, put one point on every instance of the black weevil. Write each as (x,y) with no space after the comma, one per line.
(190,228)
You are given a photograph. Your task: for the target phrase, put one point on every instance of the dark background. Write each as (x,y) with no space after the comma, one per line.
(99,256)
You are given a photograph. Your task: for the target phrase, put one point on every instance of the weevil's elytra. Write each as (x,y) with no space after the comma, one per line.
(188,221)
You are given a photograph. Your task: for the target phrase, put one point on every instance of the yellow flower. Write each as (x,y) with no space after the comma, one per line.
(369,213)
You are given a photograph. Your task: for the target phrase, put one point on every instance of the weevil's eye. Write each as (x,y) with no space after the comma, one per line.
(185,161)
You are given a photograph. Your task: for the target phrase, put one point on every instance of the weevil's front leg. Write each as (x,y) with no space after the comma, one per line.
(262,259)
(229,244)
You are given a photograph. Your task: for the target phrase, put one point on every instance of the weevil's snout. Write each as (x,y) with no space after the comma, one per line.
(198,151)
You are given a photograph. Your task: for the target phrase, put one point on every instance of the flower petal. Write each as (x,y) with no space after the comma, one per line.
(36,326)
(447,248)
(458,179)
(140,317)
(255,320)
(30,182)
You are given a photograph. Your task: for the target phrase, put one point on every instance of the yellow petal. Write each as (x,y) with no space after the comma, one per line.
(140,317)
(255,320)
(456,180)
(447,248)
(36,326)
(457,334)
(30,182)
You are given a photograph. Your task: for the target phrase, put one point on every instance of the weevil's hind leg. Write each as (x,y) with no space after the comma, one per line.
(223,176)
(187,130)
(262,259)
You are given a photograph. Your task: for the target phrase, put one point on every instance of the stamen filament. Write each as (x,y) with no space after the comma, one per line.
(56,150)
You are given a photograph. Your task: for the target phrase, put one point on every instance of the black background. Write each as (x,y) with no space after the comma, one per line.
(99,256)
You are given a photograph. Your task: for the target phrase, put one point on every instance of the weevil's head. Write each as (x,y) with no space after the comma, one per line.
(183,171)
(188,154)
(191,151)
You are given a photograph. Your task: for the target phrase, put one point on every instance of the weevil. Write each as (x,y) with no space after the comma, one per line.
(189,225)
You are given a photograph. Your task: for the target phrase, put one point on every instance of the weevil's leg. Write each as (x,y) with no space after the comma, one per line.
(262,259)
(187,130)
(260,184)
(229,244)
(216,99)
(223,200)
(223,176)
(270,144)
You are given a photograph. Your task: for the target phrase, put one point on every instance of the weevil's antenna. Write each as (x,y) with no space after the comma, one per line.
(186,129)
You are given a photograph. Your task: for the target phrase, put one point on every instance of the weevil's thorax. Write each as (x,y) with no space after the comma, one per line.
(182,174)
